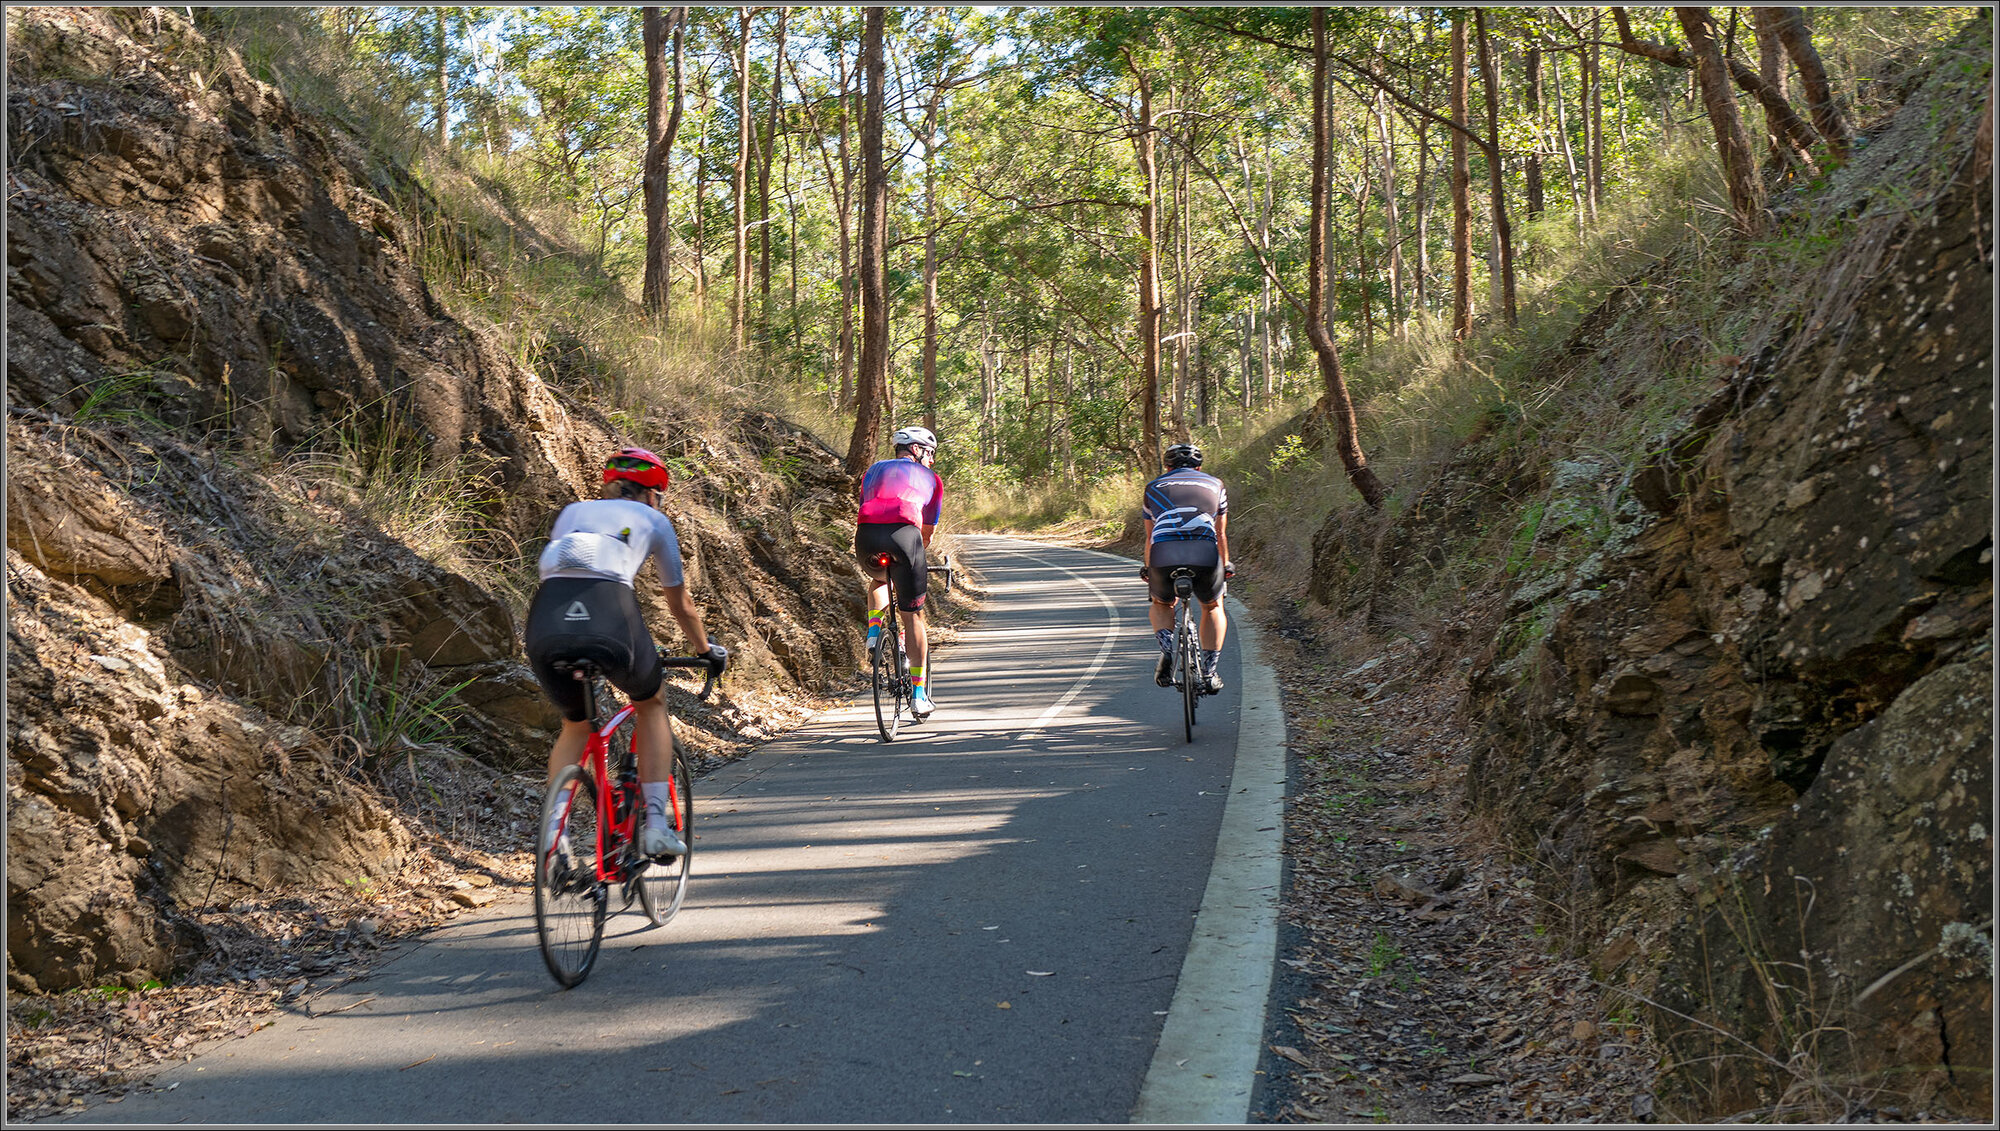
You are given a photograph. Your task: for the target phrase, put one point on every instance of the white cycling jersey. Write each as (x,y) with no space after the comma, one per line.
(610,538)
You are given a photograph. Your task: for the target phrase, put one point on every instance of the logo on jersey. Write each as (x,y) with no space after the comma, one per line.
(577,611)
(1184,522)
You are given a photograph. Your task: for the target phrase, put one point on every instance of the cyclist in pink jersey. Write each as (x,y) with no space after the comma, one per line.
(900,502)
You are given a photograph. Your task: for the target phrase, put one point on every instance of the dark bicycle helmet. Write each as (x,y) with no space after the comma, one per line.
(1182,455)
(638,465)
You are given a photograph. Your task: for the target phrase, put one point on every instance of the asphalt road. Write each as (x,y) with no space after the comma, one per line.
(987,921)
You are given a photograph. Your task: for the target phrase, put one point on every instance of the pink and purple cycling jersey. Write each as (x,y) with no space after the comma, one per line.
(901,490)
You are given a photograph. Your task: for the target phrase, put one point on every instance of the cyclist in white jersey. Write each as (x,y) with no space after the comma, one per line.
(586,609)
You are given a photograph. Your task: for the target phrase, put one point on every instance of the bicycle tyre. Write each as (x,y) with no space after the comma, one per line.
(1189,644)
(570,903)
(663,883)
(888,675)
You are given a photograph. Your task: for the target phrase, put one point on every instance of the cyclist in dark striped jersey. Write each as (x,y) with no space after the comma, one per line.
(1187,524)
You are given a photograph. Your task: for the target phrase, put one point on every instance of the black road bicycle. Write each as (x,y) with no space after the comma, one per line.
(1186,650)
(890,666)
(1187,646)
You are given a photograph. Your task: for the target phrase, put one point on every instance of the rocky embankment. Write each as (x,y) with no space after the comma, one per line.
(215,330)
(1735,703)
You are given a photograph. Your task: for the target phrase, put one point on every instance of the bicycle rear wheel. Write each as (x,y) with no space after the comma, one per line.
(569,900)
(891,682)
(1188,643)
(663,883)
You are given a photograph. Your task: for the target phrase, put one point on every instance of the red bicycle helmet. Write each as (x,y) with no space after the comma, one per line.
(638,465)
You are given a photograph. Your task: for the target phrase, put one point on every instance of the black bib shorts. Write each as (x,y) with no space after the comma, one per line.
(596,619)
(904,544)
(1200,554)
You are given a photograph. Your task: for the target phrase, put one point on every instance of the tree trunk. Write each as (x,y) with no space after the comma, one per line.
(1069,412)
(1771,68)
(764,172)
(701,207)
(1334,401)
(845,209)
(745,141)
(662,125)
(1798,137)
(1739,161)
(1461,187)
(1503,231)
(1793,32)
(1594,88)
(873,378)
(1364,277)
(1391,214)
(443,88)
(1562,131)
(1149,283)
(1536,203)
(930,258)
(1243,366)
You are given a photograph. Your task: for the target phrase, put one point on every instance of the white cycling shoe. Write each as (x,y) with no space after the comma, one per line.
(920,703)
(658,840)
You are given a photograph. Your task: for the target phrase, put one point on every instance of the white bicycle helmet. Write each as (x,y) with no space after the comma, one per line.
(915,434)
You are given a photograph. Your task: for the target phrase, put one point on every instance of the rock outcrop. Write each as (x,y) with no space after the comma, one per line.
(1736,701)
(216,332)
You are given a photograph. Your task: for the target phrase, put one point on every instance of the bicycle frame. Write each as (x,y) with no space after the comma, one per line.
(615,830)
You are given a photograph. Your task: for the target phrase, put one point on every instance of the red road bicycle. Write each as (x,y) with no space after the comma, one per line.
(597,805)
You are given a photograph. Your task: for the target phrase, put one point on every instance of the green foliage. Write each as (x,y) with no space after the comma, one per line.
(1026,188)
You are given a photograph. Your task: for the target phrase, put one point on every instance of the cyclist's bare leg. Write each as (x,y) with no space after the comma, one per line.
(1214,625)
(569,746)
(917,642)
(653,735)
(878,594)
(1159,615)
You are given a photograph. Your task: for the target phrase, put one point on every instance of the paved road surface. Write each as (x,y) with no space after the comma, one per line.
(985,921)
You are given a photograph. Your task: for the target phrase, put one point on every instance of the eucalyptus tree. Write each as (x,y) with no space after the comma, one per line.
(1115,57)
(826,100)
(944,48)
(429,51)
(872,376)
(663,123)
(584,69)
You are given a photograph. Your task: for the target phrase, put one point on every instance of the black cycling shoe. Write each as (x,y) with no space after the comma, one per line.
(1163,672)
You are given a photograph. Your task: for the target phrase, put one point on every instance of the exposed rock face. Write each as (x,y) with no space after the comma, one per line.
(131,792)
(207,292)
(1749,730)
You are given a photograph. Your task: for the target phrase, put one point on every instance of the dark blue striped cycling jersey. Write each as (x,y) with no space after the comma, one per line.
(1184,504)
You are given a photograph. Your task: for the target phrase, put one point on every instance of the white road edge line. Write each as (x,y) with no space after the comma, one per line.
(1204,1068)
(1104,650)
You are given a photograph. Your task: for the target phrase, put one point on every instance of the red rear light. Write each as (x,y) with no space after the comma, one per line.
(882,561)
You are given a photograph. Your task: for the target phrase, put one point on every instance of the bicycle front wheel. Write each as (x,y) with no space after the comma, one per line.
(569,900)
(890,680)
(1189,644)
(663,883)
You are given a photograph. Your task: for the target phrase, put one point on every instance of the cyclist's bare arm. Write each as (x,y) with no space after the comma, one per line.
(927,534)
(1222,537)
(1146,544)
(681,605)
